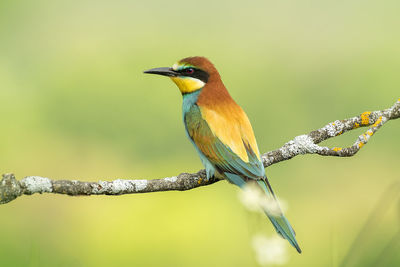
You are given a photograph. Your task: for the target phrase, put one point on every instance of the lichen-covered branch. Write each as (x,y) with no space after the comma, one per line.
(11,188)
(308,143)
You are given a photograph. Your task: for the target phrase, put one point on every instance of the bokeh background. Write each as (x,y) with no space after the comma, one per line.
(75,105)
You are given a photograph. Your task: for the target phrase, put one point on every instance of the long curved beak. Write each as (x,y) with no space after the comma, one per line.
(162,71)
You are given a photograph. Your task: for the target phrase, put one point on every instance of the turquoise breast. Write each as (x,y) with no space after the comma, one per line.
(192,119)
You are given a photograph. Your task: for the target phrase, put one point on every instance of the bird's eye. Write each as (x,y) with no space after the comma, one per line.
(189,71)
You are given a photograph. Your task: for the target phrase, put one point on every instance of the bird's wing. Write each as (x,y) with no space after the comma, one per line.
(227,141)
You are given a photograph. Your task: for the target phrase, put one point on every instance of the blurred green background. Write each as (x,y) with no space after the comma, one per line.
(75,105)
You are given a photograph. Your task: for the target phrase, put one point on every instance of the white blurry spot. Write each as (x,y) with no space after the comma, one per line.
(270,251)
(273,207)
(256,200)
(251,197)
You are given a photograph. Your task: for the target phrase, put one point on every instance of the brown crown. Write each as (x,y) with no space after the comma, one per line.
(203,63)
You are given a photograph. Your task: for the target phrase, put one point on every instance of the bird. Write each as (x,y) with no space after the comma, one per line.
(221,132)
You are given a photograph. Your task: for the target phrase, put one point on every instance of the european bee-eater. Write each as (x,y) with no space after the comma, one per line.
(221,132)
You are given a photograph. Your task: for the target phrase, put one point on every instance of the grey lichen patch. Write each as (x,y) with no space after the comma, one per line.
(267,160)
(395,111)
(334,128)
(10,188)
(140,185)
(36,184)
(302,144)
(171,179)
(305,144)
(120,186)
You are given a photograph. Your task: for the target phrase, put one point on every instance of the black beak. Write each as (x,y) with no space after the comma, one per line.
(163,71)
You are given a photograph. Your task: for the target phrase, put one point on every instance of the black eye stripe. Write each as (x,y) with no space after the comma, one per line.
(186,70)
(189,70)
(195,73)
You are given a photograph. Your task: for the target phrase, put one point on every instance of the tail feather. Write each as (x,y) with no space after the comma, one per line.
(279,221)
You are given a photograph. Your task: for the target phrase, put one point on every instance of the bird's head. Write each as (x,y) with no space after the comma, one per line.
(189,74)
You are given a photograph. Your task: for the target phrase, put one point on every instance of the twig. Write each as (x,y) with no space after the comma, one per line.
(10,188)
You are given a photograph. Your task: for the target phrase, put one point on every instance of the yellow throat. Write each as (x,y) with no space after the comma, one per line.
(188,84)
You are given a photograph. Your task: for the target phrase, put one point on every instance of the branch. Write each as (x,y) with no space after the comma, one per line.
(10,188)
(308,143)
